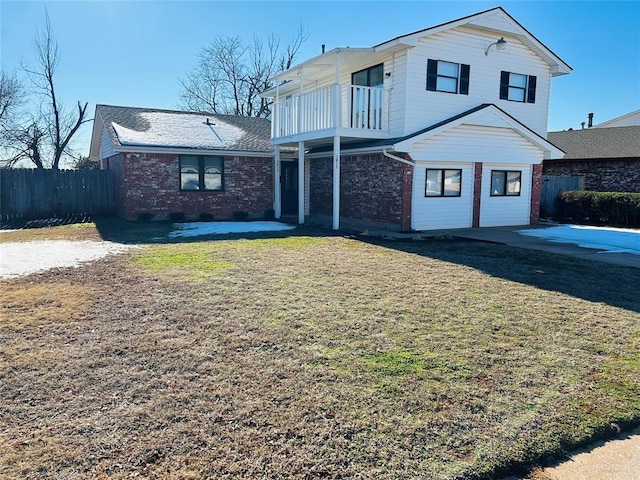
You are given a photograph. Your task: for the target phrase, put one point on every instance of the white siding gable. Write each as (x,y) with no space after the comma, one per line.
(106,145)
(475,143)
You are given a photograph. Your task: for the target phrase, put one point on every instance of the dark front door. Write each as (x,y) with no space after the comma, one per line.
(289,188)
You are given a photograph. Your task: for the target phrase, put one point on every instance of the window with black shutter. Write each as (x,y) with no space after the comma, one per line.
(448,77)
(517,87)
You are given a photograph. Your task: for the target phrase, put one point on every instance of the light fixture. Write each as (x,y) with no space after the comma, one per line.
(500,45)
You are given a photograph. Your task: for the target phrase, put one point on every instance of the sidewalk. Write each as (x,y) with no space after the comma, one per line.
(618,459)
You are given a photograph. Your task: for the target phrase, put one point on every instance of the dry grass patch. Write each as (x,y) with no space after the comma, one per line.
(75,231)
(306,357)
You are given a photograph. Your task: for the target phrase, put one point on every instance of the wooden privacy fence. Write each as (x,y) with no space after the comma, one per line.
(27,194)
(552,186)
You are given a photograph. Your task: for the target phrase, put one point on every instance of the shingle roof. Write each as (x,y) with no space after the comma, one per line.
(612,142)
(385,143)
(151,127)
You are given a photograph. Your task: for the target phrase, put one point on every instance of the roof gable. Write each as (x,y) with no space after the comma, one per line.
(485,115)
(495,20)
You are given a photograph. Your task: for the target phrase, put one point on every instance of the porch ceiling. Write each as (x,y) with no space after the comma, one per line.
(319,67)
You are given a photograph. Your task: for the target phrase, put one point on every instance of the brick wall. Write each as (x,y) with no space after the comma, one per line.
(618,175)
(152,184)
(536,190)
(372,188)
(477,193)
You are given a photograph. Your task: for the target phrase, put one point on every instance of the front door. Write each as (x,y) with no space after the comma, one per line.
(289,188)
(366,113)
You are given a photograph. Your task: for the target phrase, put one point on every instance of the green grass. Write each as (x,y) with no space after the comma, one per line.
(314,357)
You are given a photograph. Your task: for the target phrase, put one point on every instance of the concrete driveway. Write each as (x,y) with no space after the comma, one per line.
(510,236)
(618,459)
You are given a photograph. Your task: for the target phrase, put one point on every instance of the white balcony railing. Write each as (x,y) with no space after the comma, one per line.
(338,106)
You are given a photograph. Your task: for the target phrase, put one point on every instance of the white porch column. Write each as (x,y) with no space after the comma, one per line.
(301,183)
(336,182)
(277,202)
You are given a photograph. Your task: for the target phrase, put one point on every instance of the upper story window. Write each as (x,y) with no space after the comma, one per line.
(367,97)
(369,77)
(201,173)
(448,77)
(517,87)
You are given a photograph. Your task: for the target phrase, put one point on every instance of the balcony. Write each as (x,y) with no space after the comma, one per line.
(346,110)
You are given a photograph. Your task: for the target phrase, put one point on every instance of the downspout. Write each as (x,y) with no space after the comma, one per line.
(398,159)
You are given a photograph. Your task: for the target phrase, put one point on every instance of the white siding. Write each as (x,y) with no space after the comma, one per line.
(502,211)
(478,144)
(466,45)
(433,213)
(106,145)
(497,148)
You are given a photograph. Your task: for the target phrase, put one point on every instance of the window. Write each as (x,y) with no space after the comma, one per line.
(448,77)
(517,87)
(201,173)
(369,77)
(505,183)
(366,104)
(443,183)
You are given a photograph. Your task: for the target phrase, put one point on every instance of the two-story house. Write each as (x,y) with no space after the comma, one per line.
(441,128)
(437,129)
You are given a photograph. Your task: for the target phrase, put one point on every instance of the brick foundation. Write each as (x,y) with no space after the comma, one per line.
(151,183)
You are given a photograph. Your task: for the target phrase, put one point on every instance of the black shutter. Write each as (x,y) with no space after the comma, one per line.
(531,89)
(432,74)
(504,85)
(464,79)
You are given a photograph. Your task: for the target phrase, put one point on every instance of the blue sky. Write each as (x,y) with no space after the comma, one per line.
(134,52)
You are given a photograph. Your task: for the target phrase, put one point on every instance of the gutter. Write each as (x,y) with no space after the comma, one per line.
(398,159)
(190,151)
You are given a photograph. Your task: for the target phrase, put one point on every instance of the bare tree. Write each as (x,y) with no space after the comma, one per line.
(11,97)
(59,125)
(230,75)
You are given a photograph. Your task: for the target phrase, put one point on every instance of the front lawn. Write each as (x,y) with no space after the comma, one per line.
(309,356)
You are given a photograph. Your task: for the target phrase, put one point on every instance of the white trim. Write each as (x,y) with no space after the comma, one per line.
(277,201)
(191,151)
(398,159)
(336,182)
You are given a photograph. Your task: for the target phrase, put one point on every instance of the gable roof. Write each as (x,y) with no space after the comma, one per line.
(495,20)
(612,142)
(403,144)
(150,128)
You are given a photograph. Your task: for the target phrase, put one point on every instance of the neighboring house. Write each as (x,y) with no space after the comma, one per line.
(440,128)
(628,120)
(607,157)
(167,162)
